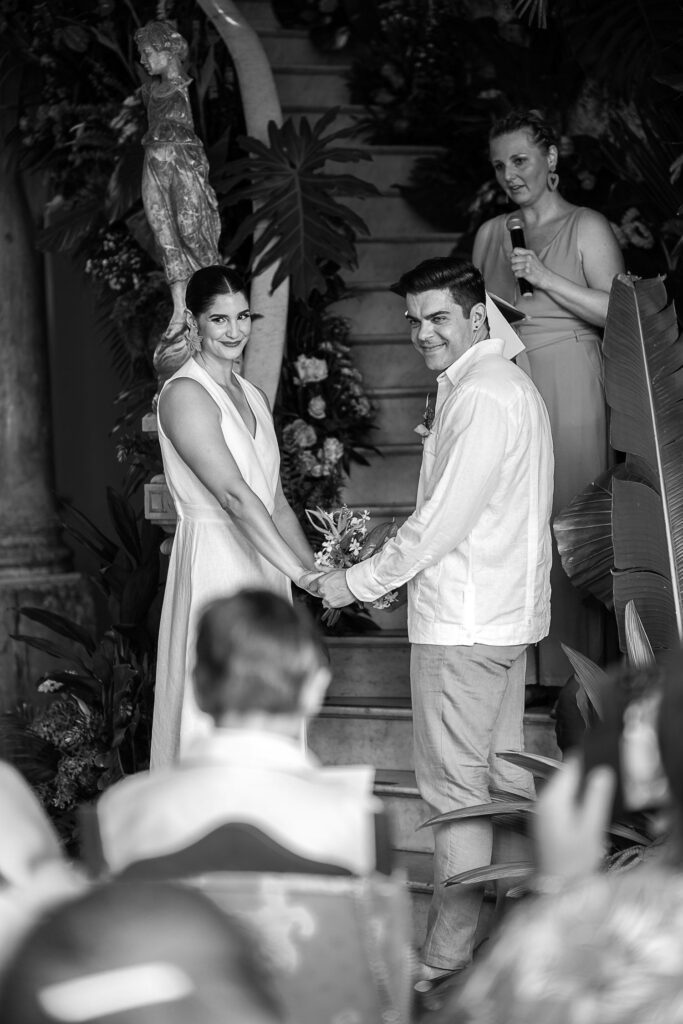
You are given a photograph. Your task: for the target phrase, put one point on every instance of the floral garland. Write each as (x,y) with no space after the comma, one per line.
(324,414)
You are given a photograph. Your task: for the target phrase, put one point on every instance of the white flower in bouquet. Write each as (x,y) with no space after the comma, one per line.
(310,370)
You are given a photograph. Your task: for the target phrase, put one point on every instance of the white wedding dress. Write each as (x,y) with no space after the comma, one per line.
(211,558)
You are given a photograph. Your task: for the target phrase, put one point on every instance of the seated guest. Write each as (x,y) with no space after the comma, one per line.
(248,797)
(137,954)
(34,873)
(608,951)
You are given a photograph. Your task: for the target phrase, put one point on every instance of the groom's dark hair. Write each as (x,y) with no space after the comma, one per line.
(447,273)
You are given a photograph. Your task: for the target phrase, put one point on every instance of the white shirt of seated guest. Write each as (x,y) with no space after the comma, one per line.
(476,552)
(250,776)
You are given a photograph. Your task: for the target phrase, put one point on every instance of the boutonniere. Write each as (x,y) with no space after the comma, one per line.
(424,428)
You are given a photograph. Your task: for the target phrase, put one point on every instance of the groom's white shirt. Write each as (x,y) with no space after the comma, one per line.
(476,552)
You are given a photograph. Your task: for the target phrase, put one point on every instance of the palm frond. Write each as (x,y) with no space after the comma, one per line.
(644,388)
(297,222)
(533,11)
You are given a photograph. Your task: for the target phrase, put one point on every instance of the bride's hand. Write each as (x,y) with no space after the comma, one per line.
(308,581)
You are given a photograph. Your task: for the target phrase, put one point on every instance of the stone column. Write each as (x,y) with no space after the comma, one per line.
(34,563)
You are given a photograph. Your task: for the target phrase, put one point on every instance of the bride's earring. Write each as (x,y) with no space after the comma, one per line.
(553,180)
(194,338)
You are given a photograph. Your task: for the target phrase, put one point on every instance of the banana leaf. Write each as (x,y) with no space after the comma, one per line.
(644,388)
(592,682)
(583,531)
(492,873)
(638,646)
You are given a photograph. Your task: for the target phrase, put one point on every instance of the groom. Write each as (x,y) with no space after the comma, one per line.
(476,556)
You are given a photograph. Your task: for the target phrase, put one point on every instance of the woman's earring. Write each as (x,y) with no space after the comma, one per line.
(194,338)
(553,180)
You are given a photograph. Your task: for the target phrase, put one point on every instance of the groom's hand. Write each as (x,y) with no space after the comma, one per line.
(334,590)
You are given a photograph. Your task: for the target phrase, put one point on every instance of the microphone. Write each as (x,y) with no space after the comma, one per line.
(515,226)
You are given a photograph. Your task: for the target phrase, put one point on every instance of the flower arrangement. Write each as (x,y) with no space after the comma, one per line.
(91,724)
(324,413)
(347,541)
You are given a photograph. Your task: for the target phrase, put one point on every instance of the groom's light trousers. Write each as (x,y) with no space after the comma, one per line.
(468,703)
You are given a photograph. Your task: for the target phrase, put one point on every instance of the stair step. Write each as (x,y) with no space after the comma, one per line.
(287,47)
(391,166)
(348,116)
(391,476)
(388,213)
(388,361)
(259,14)
(388,258)
(369,665)
(406,811)
(372,308)
(318,85)
(374,733)
(398,412)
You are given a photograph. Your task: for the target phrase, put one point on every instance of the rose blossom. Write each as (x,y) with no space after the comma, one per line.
(333,450)
(317,407)
(310,370)
(299,434)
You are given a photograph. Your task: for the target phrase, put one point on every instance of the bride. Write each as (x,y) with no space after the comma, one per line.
(221,461)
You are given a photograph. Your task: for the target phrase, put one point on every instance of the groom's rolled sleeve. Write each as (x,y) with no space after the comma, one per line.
(469,451)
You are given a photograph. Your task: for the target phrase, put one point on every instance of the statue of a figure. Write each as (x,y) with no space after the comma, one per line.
(180,204)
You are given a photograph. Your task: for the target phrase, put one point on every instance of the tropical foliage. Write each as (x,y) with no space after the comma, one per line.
(91,724)
(628,531)
(74,92)
(441,74)
(297,222)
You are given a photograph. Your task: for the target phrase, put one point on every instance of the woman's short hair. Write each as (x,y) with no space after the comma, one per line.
(137,953)
(162,35)
(255,652)
(531,121)
(457,276)
(203,288)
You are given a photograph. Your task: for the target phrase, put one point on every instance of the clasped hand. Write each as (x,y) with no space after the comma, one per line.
(525,263)
(330,586)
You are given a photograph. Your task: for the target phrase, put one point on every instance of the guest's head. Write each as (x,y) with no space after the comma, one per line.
(445,308)
(133,953)
(259,658)
(523,152)
(609,951)
(218,322)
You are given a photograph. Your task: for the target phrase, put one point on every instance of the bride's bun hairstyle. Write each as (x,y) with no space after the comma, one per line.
(203,288)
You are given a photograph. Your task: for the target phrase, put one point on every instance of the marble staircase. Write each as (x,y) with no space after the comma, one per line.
(367,717)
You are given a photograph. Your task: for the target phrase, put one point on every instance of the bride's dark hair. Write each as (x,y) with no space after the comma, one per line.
(203,287)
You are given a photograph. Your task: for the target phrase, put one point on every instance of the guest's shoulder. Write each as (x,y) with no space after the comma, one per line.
(134,788)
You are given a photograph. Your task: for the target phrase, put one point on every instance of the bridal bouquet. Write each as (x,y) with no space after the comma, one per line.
(347,541)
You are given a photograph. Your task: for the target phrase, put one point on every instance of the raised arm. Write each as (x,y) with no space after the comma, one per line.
(191,420)
(601,258)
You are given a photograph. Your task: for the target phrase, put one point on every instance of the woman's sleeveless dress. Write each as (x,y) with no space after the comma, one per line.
(565,363)
(211,558)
